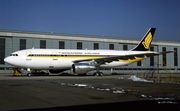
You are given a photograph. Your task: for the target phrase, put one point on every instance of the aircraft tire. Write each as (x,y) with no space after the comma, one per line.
(101,74)
(29,74)
(98,74)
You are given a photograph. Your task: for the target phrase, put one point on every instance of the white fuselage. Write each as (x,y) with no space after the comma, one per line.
(63,59)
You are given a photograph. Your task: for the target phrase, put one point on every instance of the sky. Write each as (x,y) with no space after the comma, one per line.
(111,18)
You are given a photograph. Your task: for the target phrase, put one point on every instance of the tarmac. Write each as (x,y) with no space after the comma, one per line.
(87,93)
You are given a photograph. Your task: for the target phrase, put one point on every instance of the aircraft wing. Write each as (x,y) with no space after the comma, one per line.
(123,57)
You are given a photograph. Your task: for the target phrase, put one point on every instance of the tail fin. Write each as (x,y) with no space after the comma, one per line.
(145,43)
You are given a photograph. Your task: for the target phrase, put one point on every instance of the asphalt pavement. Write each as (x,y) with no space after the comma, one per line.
(111,92)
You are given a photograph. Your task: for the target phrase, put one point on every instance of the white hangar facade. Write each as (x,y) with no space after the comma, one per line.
(11,41)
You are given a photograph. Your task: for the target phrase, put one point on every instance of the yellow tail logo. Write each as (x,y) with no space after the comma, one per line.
(147,41)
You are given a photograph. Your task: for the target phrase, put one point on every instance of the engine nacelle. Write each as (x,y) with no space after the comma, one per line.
(82,68)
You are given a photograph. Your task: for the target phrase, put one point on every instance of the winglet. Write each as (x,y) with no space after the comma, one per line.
(145,43)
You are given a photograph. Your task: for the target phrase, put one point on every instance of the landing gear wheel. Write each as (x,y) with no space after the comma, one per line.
(101,74)
(29,74)
(98,74)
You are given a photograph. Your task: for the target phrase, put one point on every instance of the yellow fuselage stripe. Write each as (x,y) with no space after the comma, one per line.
(85,57)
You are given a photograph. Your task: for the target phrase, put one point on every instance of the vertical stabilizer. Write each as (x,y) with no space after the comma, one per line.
(145,43)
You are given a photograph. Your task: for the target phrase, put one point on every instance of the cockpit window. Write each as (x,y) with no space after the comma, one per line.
(14,55)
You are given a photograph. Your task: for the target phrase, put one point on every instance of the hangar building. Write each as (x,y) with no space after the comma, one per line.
(11,41)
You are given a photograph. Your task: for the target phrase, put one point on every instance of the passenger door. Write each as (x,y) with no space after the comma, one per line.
(28,57)
(55,57)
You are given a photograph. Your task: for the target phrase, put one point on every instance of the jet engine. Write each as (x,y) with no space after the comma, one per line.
(82,68)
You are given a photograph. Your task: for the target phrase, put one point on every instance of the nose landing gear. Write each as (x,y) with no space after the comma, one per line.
(17,72)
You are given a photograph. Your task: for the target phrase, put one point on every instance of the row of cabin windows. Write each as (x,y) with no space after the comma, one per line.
(35,55)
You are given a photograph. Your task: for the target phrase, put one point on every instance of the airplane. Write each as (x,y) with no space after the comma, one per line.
(81,62)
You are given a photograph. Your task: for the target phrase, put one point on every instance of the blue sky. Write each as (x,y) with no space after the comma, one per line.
(114,18)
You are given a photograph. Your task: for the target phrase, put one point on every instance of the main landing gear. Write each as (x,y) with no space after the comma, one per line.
(98,73)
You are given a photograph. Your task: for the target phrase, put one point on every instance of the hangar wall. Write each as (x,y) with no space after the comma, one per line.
(11,41)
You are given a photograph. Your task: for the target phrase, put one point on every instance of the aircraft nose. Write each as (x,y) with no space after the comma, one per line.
(6,60)
(14,61)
